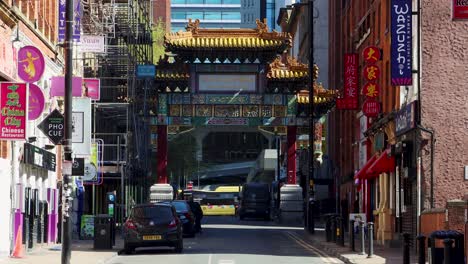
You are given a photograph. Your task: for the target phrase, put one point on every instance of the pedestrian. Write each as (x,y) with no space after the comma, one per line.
(197,210)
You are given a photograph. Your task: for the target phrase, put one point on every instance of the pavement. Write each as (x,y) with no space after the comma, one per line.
(226,240)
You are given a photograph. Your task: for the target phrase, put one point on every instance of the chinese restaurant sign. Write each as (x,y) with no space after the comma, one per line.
(371,88)
(351,80)
(401,12)
(371,108)
(36,102)
(459,9)
(31,64)
(14,110)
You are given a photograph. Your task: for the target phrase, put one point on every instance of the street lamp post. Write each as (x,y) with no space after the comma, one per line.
(310,224)
(66,185)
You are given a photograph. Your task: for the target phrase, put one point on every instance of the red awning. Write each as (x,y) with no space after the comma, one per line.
(384,163)
(361,174)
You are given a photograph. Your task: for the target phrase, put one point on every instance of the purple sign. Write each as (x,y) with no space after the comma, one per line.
(401,65)
(61,20)
(93,88)
(57,86)
(36,102)
(31,64)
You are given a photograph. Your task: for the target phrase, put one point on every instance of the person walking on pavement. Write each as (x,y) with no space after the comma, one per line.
(196,209)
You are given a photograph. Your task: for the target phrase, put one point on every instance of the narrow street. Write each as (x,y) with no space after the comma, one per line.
(226,240)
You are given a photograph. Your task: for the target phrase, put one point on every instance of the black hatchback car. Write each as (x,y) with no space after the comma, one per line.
(153,225)
(186,216)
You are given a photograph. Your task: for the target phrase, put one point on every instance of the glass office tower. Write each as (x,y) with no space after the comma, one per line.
(211,13)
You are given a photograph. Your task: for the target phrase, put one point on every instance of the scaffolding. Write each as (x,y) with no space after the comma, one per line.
(121,114)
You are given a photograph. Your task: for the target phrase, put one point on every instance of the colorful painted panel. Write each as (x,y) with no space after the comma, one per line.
(203,110)
(279,111)
(185,121)
(162,104)
(227,99)
(274,99)
(227,111)
(179,98)
(250,111)
(174,110)
(292,105)
(187,110)
(267,110)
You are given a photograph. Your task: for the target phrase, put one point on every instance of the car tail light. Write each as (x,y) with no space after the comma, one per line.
(188,216)
(130,225)
(173,223)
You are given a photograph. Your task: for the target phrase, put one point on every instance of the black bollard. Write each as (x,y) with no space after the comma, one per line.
(422,249)
(342,229)
(338,230)
(361,230)
(328,229)
(370,228)
(351,235)
(447,251)
(333,229)
(406,248)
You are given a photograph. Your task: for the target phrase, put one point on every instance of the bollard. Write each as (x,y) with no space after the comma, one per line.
(328,229)
(370,228)
(361,230)
(422,249)
(406,248)
(333,228)
(447,250)
(351,235)
(337,230)
(342,228)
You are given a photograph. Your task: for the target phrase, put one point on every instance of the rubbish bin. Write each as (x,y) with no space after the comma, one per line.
(436,254)
(103,232)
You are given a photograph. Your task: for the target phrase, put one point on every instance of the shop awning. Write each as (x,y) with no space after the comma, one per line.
(361,174)
(384,163)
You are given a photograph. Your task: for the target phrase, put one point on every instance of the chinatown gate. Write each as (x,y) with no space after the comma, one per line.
(228,79)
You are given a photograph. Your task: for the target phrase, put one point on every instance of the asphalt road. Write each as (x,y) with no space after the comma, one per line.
(227,240)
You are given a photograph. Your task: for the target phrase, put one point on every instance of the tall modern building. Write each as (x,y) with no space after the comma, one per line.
(211,13)
(251,10)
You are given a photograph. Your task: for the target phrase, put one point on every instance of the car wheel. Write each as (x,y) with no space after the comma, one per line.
(179,246)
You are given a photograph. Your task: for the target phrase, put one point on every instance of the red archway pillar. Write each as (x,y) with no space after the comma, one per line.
(291,141)
(162,154)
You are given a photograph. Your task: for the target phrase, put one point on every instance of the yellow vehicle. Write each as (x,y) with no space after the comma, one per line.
(221,201)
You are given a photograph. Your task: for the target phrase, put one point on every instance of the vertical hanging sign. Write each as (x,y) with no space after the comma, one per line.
(61,20)
(14,111)
(401,12)
(351,81)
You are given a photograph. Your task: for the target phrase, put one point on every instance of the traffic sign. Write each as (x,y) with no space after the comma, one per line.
(53,126)
(146,71)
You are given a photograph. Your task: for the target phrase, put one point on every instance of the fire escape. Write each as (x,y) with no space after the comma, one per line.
(121,115)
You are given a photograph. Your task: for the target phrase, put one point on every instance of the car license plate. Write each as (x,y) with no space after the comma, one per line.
(151,237)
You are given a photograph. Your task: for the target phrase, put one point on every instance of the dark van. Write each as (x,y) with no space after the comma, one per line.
(255,199)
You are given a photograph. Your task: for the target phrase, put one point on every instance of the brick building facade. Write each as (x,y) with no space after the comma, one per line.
(161,11)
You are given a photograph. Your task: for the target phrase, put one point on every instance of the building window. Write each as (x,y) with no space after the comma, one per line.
(194,15)
(178,15)
(232,2)
(178,1)
(212,15)
(213,2)
(231,16)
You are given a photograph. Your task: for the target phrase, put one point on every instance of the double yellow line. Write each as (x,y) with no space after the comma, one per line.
(323,256)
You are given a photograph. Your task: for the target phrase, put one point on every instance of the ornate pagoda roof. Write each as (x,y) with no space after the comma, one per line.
(252,43)
(292,69)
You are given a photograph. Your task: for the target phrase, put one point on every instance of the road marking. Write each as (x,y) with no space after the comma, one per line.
(323,256)
(209,258)
(226,261)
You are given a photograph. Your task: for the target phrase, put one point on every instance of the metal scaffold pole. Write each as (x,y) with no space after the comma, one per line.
(309,208)
(67,165)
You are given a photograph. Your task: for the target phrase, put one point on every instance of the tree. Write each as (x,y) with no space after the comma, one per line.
(158,32)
